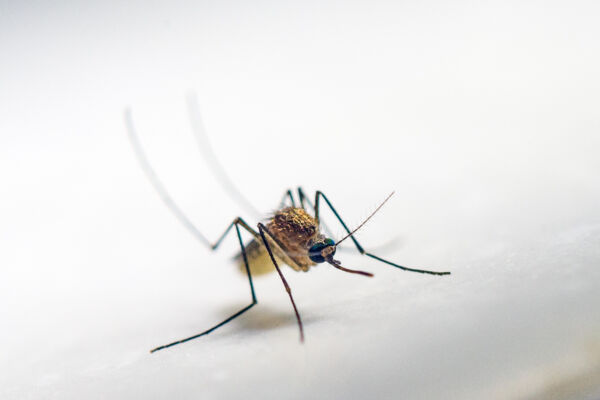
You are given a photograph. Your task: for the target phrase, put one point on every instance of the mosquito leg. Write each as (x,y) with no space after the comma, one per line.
(157,184)
(262,229)
(303,198)
(287,195)
(319,194)
(383,247)
(237,224)
(162,191)
(174,208)
(211,159)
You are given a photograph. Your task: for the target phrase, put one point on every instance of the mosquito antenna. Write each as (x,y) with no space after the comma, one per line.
(384,247)
(158,186)
(365,221)
(211,159)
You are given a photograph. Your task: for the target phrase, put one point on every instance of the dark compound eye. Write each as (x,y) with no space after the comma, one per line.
(315,250)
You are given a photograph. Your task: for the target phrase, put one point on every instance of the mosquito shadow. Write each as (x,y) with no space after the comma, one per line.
(263,318)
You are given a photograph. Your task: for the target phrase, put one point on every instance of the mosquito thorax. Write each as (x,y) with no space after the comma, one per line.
(317,253)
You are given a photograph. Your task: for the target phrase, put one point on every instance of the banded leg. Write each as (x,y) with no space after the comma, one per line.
(361,250)
(237,222)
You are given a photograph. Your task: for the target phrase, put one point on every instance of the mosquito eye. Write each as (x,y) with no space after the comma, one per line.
(315,250)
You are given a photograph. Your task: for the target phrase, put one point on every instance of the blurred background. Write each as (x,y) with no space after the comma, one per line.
(482,116)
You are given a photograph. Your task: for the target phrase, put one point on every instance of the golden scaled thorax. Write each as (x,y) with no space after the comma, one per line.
(297,234)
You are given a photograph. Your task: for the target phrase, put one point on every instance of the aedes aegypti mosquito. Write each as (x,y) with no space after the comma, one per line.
(290,236)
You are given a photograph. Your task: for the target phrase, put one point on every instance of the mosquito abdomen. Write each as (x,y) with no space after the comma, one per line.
(258,259)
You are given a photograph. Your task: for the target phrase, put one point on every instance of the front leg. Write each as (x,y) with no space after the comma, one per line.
(360,249)
(262,230)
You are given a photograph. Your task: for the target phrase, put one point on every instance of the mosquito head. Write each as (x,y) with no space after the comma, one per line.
(322,251)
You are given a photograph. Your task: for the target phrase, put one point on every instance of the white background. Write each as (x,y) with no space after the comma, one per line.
(483,116)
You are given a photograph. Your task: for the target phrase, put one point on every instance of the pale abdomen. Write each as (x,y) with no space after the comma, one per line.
(258,258)
(291,231)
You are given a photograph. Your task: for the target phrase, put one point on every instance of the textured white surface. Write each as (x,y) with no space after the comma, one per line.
(483,118)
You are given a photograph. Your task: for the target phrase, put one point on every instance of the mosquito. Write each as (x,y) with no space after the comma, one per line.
(290,236)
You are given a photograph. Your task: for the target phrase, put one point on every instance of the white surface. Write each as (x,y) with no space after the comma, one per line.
(483,118)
